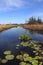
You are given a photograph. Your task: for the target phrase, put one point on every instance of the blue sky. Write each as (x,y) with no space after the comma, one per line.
(18,11)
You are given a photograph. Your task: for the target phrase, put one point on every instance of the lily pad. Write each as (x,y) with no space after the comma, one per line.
(25,56)
(41,52)
(19,57)
(28,64)
(36,53)
(22,63)
(41,63)
(4,61)
(9,57)
(7,52)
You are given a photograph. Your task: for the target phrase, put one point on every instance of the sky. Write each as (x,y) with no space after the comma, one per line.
(19,11)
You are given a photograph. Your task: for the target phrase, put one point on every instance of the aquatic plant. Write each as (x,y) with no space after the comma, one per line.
(25,57)
(19,57)
(9,57)
(24,37)
(28,64)
(4,60)
(41,63)
(42,52)
(7,52)
(32,45)
(37,51)
(22,63)
(38,57)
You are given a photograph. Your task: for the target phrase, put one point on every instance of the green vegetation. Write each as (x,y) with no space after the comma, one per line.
(4,61)
(9,57)
(37,48)
(24,57)
(22,63)
(24,37)
(7,52)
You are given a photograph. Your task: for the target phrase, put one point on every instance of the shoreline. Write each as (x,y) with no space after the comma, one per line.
(26,26)
(33,27)
(7,26)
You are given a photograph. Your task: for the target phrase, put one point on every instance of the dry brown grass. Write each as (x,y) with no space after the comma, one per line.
(5,27)
(26,26)
(33,26)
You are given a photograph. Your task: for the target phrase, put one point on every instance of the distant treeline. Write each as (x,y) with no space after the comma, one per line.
(34,21)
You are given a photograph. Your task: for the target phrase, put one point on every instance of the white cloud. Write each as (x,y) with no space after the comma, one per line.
(10,4)
(6,5)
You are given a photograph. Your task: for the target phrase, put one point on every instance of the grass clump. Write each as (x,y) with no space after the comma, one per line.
(24,37)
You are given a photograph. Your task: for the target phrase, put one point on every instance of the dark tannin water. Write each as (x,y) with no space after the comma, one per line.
(9,40)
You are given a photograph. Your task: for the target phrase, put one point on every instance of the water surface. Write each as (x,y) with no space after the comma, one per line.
(9,40)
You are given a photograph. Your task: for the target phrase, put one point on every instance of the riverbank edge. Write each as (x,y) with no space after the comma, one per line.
(7,26)
(33,27)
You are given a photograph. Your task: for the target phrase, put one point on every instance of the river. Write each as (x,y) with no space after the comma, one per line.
(9,40)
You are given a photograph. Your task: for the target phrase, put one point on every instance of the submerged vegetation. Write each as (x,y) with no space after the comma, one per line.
(25,58)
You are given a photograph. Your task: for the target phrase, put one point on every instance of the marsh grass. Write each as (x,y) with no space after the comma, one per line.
(7,26)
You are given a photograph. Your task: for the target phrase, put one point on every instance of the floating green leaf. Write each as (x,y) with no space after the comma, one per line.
(22,63)
(7,52)
(28,64)
(4,61)
(19,57)
(9,57)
